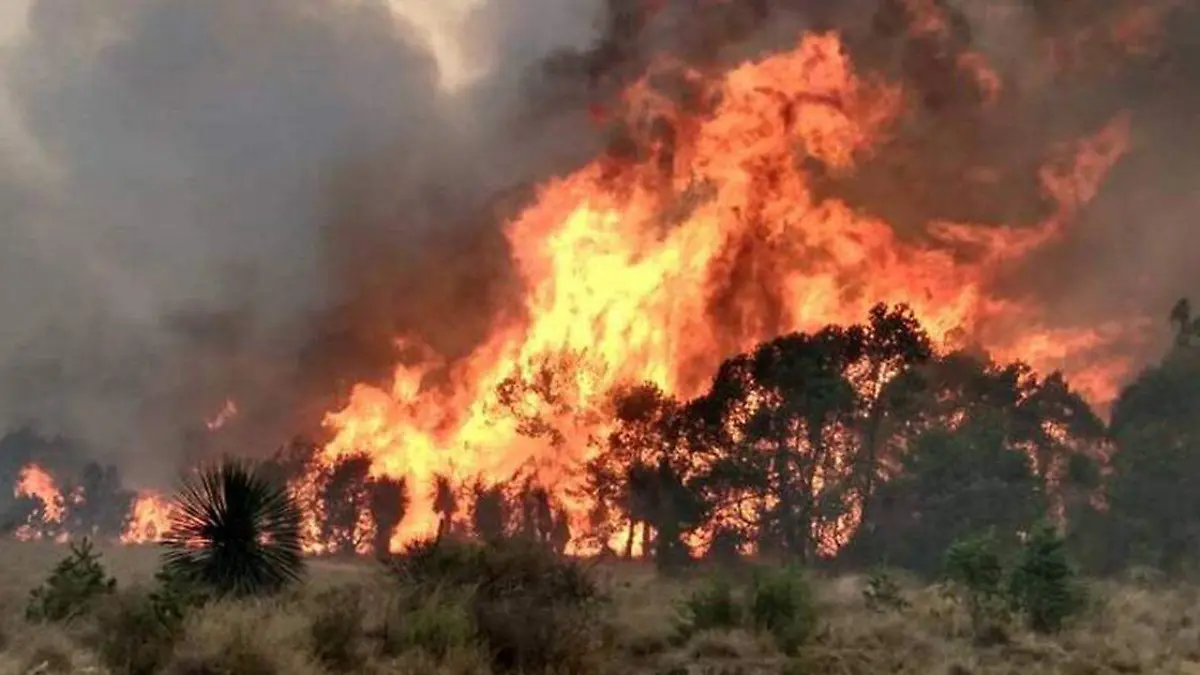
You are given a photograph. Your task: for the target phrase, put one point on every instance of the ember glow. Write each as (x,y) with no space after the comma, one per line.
(654,267)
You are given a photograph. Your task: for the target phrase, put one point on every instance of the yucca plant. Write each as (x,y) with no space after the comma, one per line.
(234,531)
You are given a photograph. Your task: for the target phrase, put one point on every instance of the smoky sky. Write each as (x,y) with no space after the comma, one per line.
(215,183)
(253,199)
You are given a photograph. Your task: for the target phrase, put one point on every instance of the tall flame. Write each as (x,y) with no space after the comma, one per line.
(35,482)
(656,267)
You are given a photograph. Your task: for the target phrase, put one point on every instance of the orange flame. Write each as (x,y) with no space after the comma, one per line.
(35,482)
(657,269)
(149,520)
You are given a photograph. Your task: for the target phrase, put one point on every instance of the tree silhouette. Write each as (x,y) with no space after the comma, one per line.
(489,512)
(346,499)
(445,504)
(100,504)
(1154,493)
(388,502)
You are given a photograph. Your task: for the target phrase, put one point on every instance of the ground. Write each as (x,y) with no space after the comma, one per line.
(1137,626)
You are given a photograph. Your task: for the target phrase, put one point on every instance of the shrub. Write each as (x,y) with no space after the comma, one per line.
(712,606)
(975,576)
(173,596)
(73,588)
(1043,583)
(436,623)
(497,568)
(782,604)
(235,531)
(883,593)
(974,564)
(523,634)
(246,638)
(336,628)
(535,610)
(133,635)
(530,608)
(438,562)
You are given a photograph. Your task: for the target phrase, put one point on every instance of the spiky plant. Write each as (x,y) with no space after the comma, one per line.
(234,531)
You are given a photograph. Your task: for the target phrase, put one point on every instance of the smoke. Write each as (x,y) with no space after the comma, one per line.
(222,199)
(218,187)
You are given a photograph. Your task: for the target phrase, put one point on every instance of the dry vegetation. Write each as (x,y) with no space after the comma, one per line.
(344,620)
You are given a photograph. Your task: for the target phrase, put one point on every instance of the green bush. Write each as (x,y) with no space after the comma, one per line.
(133,635)
(712,606)
(436,623)
(498,568)
(782,604)
(72,590)
(174,596)
(974,564)
(530,608)
(438,562)
(883,593)
(1043,584)
(975,575)
(336,627)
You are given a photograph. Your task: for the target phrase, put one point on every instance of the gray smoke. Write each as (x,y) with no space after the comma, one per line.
(214,184)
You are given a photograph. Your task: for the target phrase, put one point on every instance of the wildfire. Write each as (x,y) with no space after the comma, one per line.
(35,482)
(149,519)
(655,268)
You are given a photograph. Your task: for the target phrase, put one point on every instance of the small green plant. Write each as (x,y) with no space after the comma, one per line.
(1043,585)
(336,628)
(712,606)
(975,576)
(72,590)
(174,596)
(883,593)
(782,604)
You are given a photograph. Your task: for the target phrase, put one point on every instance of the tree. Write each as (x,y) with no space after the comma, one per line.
(784,419)
(642,437)
(445,504)
(346,499)
(539,518)
(1154,491)
(893,345)
(1044,584)
(955,483)
(234,531)
(388,502)
(489,512)
(99,504)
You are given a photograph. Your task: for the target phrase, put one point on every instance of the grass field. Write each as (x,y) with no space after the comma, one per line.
(1128,628)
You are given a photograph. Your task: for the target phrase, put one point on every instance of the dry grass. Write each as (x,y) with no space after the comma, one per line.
(1131,628)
